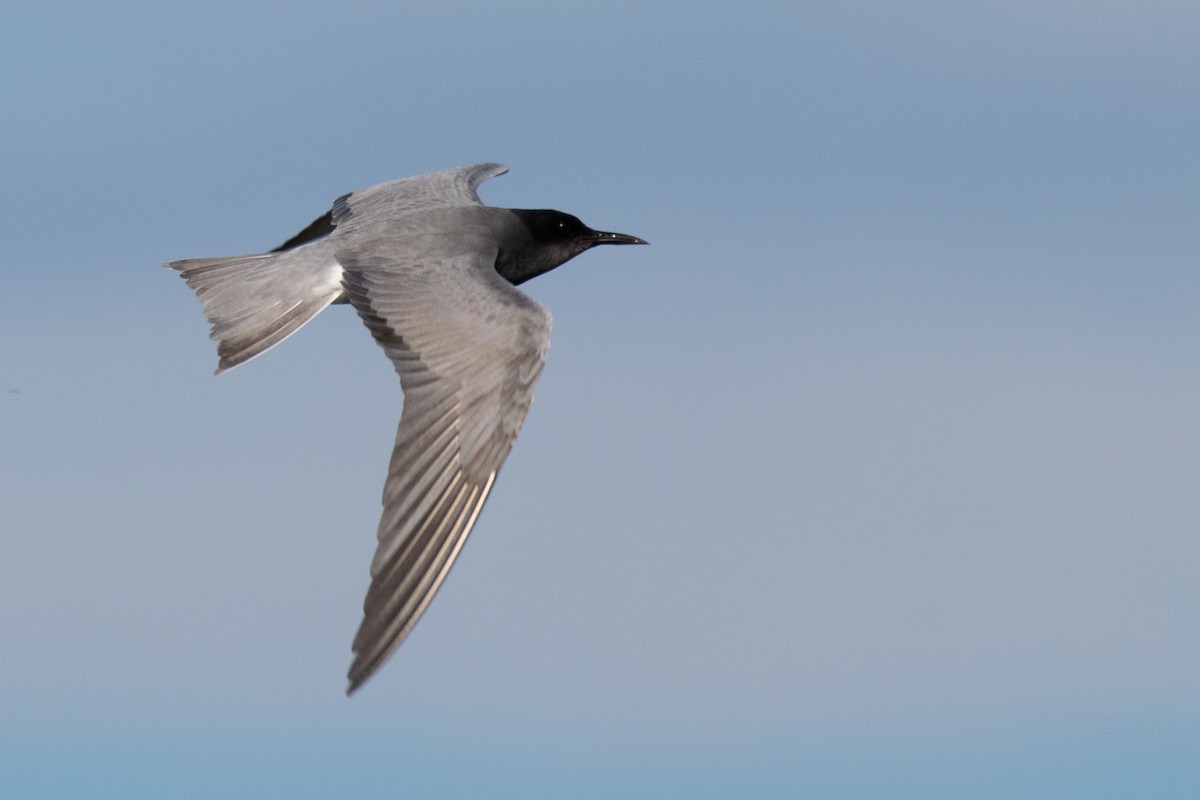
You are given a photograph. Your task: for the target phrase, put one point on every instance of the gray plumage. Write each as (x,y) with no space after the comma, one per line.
(431,272)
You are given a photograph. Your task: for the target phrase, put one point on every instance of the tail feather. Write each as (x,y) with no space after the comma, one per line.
(255,302)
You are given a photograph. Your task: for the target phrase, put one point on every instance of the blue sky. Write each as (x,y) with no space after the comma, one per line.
(874,476)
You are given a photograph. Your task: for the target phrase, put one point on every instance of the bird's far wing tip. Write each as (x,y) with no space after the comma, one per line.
(477,174)
(491,169)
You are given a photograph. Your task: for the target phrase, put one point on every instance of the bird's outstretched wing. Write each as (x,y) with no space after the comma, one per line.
(469,348)
(384,203)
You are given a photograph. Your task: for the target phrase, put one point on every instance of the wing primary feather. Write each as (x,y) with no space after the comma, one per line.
(403,522)
(404,571)
(373,644)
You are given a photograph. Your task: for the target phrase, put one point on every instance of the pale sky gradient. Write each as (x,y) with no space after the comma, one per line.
(875,476)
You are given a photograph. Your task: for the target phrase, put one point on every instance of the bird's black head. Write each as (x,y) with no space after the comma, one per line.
(550,238)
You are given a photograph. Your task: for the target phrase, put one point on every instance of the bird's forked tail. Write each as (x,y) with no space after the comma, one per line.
(255,302)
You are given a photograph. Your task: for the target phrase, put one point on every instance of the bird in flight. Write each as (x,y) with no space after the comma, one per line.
(432,272)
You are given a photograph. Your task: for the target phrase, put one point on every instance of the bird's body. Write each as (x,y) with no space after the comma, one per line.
(432,273)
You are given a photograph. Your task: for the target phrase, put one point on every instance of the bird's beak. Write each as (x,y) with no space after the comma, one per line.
(601,237)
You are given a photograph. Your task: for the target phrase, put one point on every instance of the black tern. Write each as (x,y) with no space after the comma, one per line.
(431,271)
